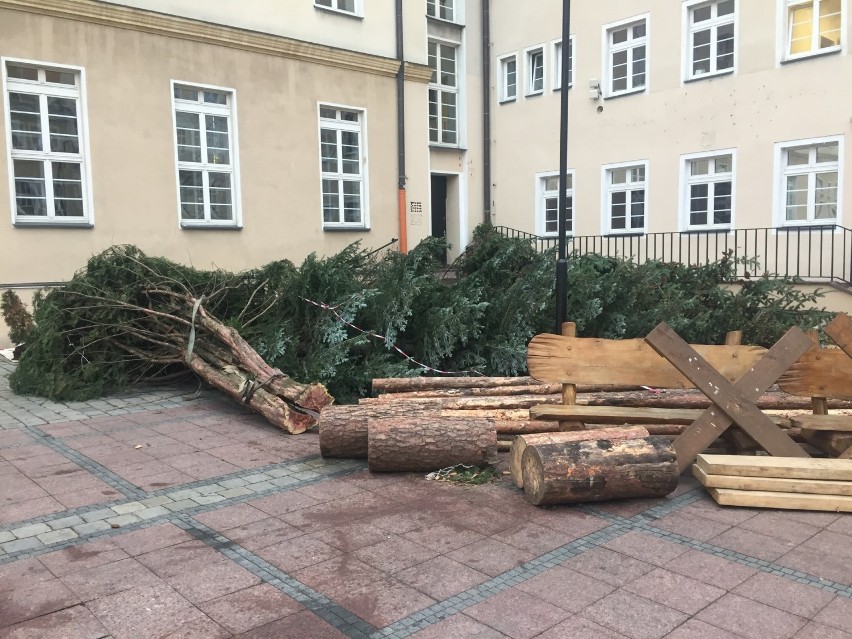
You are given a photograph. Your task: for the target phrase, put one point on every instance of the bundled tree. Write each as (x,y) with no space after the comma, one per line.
(345,319)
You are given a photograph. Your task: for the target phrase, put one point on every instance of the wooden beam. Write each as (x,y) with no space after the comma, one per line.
(779,467)
(732,404)
(823,422)
(840,330)
(786,501)
(773,484)
(627,414)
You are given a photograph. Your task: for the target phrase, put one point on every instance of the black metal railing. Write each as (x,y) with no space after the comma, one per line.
(811,253)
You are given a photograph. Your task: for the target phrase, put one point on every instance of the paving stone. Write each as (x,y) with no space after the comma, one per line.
(675,591)
(634,616)
(20,545)
(151,513)
(837,614)
(750,619)
(180,505)
(129,507)
(5,536)
(65,522)
(250,608)
(55,536)
(785,594)
(122,520)
(231,493)
(98,515)
(530,616)
(565,588)
(30,531)
(91,527)
(156,501)
(237,482)
(204,500)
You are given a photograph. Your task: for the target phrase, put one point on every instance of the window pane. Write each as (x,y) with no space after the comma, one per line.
(351,201)
(726,7)
(827,152)
(330,201)
(637,209)
(191,195)
(448,66)
(30,198)
(349,116)
(214,97)
(350,154)
(699,167)
(24,110)
(186,94)
(702,14)
(22,73)
(327,113)
(830,23)
(722,202)
(797,197)
(60,77)
(638,67)
(801,29)
(448,117)
(619,176)
(218,147)
(551,184)
(68,208)
(698,204)
(62,116)
(639,30)
(619,36)
(701,52)
(724,164)
(796,157)
(346,5)
(725,47)
(67,189)
(188,136)
(826,196)
(433,115)
(328,150)
(637,174)
(619,71)
(551,215)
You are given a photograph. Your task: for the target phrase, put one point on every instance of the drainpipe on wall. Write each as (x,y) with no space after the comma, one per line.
(486,109)
(400,130)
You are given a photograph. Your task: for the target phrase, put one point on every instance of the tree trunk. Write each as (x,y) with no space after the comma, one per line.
(522,441)
(599,470)
(422,444)
(470,403)
(343,429)
(405,384)
(771,400)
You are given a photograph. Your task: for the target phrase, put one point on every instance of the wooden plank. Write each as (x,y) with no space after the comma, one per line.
(628,362)
(779,467)
(830,442)
(773,484)
(569,391)
(821,372)
(823,422)
(785,501)
(840,330)
(733,404)
(627,415)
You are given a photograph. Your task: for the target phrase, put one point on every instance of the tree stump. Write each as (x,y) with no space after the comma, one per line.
(522,441)
(599,470)
(343,429)
(422,444)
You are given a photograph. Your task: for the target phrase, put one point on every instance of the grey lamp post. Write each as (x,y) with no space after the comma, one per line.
(562,261)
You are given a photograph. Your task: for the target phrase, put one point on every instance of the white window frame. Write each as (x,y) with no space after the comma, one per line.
(556,56)
(687,180)
(83,157)
(502,65)
(713,24)
(529,89)
(458,12)
(541,195)
(606,201)
(608,51)
(358,12)
(442,89)
(780,196)
(341,125)
(231,111)
(785,32)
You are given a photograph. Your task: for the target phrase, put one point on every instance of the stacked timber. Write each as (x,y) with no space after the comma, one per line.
(568,472)
(777,482)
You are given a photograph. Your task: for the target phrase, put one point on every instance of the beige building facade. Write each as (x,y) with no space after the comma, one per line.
(224,134)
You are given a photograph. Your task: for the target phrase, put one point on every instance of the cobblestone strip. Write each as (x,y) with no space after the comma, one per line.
(98,470)
(643,523)
(447,608)
(61,530)
(346,622)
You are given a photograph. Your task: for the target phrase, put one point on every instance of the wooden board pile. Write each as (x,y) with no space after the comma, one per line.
(777,482)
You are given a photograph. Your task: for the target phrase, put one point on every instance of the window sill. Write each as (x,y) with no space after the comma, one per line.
(814,54)
(708,231)
(210,227)
(452,23)
(626,234)
(508,100)
(346,229)
(338,12)
(623,94)
(559,89)
(534,95)
(52,224)
(436,146)
(708,76)
(808,227)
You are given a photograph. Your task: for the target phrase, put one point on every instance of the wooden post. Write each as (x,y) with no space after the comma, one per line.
(569,391)
(819,405)
(735,438)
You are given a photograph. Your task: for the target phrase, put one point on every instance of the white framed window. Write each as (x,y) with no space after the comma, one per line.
(547,203)
(707,190)
(205,132)
(626,57)
(443,93)
(711,37)
(343,161)
(557,64)
(810,189)
(625,198)
(351,7)
(509,77)
(812,27)
(534,71)
(441,9)
(49,175)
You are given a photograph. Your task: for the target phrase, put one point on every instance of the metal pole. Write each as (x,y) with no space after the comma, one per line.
(562,261)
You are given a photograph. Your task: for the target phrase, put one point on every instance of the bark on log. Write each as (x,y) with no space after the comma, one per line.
(772,400)
(522,441)
(599,470)
(462,403)
(424,444)
(403,384)
(343,429)
(538,388)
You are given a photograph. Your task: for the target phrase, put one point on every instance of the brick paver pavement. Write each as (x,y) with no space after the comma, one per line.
(173,514)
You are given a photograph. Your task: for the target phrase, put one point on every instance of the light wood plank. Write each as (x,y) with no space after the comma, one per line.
(773,484)
(823,422)
(627,414)
(821,372)
(840,330)
(779,467)
(784,501)
(830,442)
(629,362)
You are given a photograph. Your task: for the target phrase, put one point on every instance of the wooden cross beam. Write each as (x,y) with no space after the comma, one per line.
(840,330)
(731,403)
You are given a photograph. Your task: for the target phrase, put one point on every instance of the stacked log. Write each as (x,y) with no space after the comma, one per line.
(421,444)
(598,470)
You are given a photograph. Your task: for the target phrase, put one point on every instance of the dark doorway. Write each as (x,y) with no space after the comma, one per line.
(439,208)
